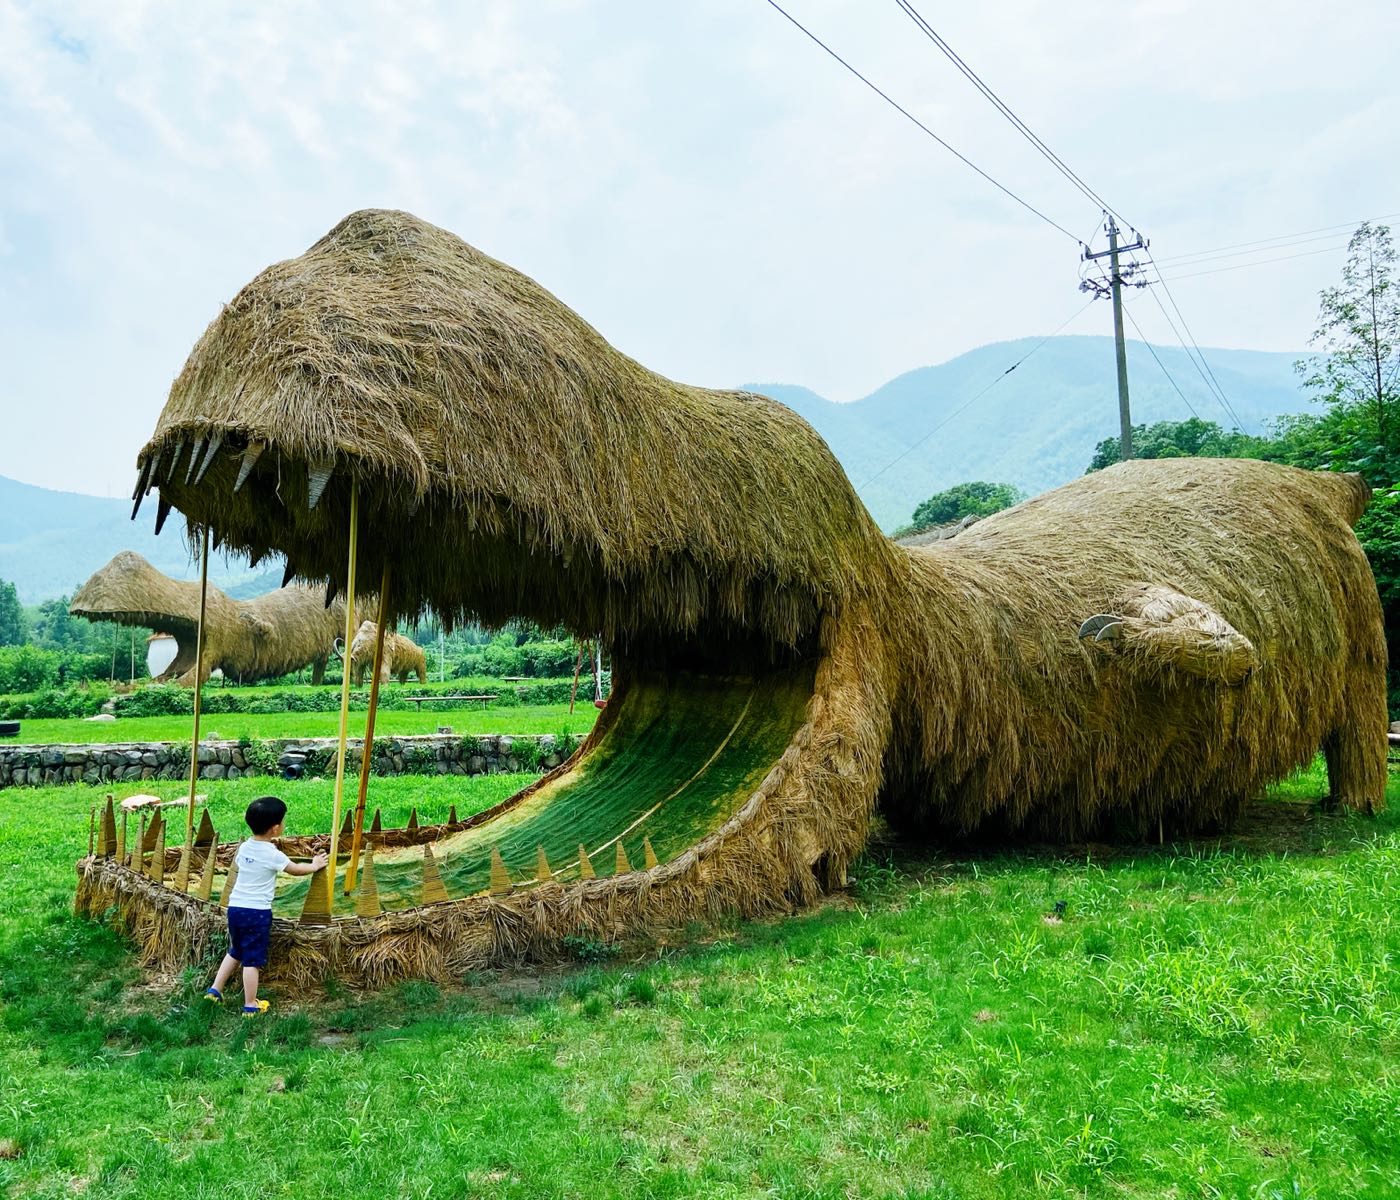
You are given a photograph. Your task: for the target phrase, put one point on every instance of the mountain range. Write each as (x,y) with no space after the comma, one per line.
(1036,426)
(50,542)
(1026,412)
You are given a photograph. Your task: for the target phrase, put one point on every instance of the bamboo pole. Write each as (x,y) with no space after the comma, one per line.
(353,870)
(345,679)
(198,679)
(578,667)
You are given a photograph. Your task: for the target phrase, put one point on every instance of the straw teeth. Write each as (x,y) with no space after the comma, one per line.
(316,479)
(215,441)
(250,457)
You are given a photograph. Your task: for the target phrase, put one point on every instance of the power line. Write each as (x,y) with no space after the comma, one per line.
(1026,204)
(1005,109)
(1196,260)
(1257,263)
(973,399)
(1283,237)
(1202,367)
(1160,363)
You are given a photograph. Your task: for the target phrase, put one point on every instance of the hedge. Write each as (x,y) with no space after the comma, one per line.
(168,700)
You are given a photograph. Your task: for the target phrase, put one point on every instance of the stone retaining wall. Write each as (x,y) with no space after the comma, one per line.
(132,762)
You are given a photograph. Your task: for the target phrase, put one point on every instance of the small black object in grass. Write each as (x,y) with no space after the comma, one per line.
(1060,906)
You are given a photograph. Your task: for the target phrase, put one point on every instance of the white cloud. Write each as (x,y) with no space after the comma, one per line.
(700,182)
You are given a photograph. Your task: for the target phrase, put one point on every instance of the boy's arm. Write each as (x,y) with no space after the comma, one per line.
(317,862)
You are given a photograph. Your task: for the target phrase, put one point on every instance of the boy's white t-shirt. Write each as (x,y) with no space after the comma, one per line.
(258,864)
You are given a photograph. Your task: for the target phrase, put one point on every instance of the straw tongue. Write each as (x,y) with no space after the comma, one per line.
(509,461)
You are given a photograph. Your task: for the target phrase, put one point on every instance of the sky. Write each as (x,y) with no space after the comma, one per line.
(700,181)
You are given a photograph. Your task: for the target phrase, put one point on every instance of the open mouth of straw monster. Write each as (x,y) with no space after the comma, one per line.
(696,721)
(499,459)
(674,760)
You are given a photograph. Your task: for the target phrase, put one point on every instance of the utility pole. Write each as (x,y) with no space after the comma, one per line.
(1115,287)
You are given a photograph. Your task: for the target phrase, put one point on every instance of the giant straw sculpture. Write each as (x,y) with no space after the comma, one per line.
(1144,648)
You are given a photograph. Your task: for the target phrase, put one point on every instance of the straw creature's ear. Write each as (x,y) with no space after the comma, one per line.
(1158,628)
(257,626)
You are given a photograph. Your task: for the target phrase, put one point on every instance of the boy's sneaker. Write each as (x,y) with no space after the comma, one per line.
(214,996)
(255,1010)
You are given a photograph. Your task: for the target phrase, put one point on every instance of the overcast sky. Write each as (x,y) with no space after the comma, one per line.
(698,180)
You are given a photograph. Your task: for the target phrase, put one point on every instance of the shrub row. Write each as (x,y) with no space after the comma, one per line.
(167,700)
(30,669)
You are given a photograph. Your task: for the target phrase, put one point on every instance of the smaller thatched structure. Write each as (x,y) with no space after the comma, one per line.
(263,638)
(402,656)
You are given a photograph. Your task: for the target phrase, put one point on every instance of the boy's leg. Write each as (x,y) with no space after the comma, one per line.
(251,976)
(226,968)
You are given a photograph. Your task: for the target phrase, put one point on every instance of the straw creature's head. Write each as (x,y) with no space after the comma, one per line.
(363,645)
(129,591)
(509,461)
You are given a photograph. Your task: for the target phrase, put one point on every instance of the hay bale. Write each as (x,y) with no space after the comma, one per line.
(248,640)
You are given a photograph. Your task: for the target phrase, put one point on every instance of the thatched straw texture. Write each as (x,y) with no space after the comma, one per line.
(1014,721)
(510,463)
(402,656)
(248,640)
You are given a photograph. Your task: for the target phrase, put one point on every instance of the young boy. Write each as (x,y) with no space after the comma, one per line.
(250,902)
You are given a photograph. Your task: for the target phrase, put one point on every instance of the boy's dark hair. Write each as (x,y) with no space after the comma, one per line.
(264,813)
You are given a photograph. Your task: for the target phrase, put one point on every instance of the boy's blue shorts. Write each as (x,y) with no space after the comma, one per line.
(249,931)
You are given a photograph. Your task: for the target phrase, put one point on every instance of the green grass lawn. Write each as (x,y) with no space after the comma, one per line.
(1219,1019)
(537,718)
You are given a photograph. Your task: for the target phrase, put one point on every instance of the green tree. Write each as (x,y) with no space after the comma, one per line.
(54,628)
(976,499)
(1193,438)
(12,624)
(1358,336)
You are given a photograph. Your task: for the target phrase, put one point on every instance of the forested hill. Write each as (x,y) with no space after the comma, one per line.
(1037,427)
(50,542)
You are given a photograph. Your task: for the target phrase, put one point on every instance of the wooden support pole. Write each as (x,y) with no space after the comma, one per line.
(198,678)
(367,749)
(578,667)
(345,679)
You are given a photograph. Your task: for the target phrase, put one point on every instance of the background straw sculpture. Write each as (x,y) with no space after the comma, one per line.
(248,640)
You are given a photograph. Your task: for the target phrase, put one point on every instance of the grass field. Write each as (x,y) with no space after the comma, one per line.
(1219,1019)
(537,718)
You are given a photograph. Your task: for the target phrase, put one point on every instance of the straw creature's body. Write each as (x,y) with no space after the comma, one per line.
(402,656)
(1248,635)
(262,638)
(1145,647)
